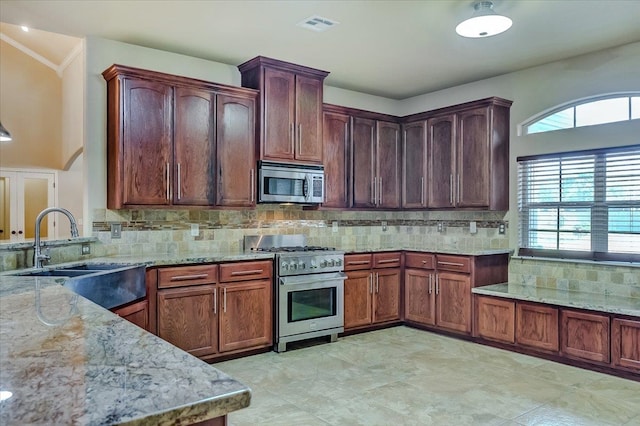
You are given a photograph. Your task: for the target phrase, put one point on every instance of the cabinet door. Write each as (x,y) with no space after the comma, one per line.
(137,313)
(414,165)
(308,120)
(194,147)
(453,304)
(363,162)
(537,326)
(496,319)
(474,159)
(388,164)
(147,135)
(357,299)
(235,130)
(245,315)
(419,296)
(386,301)
(187,318)
(625,344)
(335,144)
(278,115)
(585,336)
(441,160)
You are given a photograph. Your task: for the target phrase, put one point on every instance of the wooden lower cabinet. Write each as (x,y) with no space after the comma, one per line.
(188,318)
(386,295)
(136,313)
(537,326)
(245,317)
(625,344)
(453,301)
(495,318)
(357,299)
(419,296)
(585,336)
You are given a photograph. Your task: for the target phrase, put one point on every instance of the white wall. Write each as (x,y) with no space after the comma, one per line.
(70,185)
(73,108)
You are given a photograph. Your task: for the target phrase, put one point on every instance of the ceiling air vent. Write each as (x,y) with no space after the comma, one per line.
(317,23)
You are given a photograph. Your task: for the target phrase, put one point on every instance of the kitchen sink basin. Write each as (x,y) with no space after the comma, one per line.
(107,284)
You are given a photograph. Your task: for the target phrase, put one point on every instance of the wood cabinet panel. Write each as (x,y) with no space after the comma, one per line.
(419,296)
(242,271)
(245,315)
(236,162)
(537,326)
(357,299)
(363,138)
(146,142)
(388,161)
(420,260)
(453,307)
(387,260)
(453,263)
(495,319)
(278,115)
(442,151)
(414,165)
(182,276)
(473,159)
(136,313)
(194,147)
(187,318)
(336,136)
(585,336)
(386,302)
(625,344)
(308,119)
(353,262)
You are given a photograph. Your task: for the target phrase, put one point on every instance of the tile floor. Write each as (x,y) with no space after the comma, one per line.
(403,376)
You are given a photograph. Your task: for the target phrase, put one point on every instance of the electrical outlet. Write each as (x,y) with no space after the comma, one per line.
(501,229)
(116,230)
(334,226)
(86,249)
(440,227)
(384,226)
(473,229)
(195,229)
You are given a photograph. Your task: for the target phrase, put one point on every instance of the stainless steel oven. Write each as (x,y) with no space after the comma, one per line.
(309,288)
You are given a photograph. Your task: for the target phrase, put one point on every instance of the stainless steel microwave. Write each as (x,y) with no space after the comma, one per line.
(290,183)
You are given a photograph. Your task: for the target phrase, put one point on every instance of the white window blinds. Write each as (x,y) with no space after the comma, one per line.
(581,204)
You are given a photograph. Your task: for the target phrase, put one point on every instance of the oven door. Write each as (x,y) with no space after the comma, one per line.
(310,303)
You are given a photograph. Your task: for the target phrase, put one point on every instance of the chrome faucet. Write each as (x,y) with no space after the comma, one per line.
(38,257)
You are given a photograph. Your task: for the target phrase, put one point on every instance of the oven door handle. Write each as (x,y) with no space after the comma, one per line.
(307,279)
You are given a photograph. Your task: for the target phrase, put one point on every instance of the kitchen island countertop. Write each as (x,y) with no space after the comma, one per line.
(66,360)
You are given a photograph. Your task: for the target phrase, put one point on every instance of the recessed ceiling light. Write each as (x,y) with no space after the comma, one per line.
(484,22)
(25,28)
(317,23)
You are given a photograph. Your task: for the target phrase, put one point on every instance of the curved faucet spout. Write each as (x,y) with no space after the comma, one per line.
(38,257)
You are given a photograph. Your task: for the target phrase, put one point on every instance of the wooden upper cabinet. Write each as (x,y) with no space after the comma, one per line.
(290,109)
(441,134)
(363,140)
(336,136)
(388,164)
(414,165)
(473,159)
(235,125)
(194,147)
(140,157)
(163,132)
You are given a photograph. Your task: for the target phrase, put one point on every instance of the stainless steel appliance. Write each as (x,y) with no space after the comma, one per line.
(309,288)
(290,183)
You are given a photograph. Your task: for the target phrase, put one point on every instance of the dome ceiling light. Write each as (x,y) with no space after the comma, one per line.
(485,22)
(5,136)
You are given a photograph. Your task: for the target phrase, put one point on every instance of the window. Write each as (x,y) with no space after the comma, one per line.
(581,205)
(586,112)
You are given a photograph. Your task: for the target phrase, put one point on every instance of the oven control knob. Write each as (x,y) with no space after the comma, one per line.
(302,265)
(338,262)
(313,265)
(294,266)
(323,264)
(330,262)
(284,266)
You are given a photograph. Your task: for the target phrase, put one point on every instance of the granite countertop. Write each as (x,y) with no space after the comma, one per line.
(68,361)
(461,252)
(572,299)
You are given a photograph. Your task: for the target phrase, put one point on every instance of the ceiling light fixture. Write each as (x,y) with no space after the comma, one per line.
(5,136)
(484,22)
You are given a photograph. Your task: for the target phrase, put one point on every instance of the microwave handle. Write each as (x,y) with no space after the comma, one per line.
(306,187)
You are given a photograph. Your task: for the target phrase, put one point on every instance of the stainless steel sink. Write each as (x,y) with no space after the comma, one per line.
(107,284)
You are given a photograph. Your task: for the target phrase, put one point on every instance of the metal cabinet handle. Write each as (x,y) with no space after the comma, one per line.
(459,196)
(250,272)
(437,284)
(224,300)
(179,189)
(430,283)
(167,179)
(451,264)
(358,262)
(389,260)
(451,189)
(188,277)
(370,283)
(380,193)
(253,188)
(292,135)
(215,300)
(422,190)
(299,137)
(373,191)
(377,283)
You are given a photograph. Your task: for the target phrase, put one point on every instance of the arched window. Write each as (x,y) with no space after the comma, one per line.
(585,112)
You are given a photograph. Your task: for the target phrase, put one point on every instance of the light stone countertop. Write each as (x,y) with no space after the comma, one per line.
(95,368)
(572,299)
(461,252)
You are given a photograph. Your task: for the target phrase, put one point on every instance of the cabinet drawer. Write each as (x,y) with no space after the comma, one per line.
(242,271)
(453,263)
(420,260)
(183,276)
(387,260)
(354,262)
